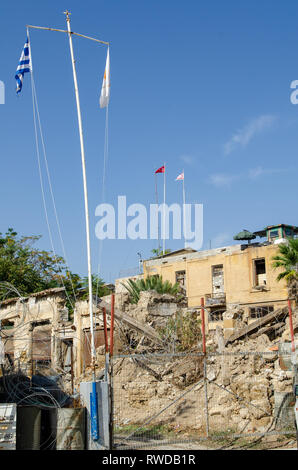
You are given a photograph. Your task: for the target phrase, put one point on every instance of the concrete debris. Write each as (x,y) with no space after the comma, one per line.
(243,389)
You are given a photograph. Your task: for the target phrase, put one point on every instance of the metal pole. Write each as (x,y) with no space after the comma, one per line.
(156,197)
(206,395)
(164,210)
(291,325)
(93,352)
(203,325)
(205,364)
(106,343)
(111,388)
(112,324)
(71,366)
(184,222)
(63,31)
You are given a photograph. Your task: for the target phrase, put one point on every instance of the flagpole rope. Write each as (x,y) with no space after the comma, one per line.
(36,115)
(51,189)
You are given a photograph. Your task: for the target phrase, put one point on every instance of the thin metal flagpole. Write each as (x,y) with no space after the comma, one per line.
(93,352)
(184,221)
(164,210)
(156,197)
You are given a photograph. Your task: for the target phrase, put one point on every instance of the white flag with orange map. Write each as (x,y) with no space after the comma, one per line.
(106,86)
(180,177)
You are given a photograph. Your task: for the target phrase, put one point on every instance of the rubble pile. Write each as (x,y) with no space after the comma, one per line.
(244,389)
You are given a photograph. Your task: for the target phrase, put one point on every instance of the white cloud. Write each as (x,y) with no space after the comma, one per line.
(226,179)
(222,179)
(247,133)
(188,159)
(255,173)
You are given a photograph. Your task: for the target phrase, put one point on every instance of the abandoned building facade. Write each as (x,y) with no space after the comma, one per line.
(39,330)
(38,334)
(237,275)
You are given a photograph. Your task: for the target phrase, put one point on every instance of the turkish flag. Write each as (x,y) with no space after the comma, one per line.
(160,170)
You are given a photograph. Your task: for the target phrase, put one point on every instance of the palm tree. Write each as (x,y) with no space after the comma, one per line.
(159,252)
(150,283)
(287,259)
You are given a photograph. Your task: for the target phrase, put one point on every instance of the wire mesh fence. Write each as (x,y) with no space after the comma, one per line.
(163,399)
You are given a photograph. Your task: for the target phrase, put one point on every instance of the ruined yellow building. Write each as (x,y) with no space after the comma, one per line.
(239,275)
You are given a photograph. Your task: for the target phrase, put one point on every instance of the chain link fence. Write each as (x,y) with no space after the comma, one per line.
(213,400)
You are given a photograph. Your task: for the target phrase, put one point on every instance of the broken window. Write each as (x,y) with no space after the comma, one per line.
(274,234)
(216,315)
(180,278)
(288,232)
(217,281)
(259,312)
(67,355)
(260,272)
(6,324)
(41,341)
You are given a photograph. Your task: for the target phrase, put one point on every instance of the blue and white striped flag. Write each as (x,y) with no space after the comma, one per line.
(24,66)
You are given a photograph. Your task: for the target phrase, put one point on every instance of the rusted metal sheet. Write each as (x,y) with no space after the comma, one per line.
(41,343)
(8,420)
(70,429)
(99,340)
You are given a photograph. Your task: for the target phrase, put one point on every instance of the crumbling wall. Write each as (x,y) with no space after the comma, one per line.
(26,314)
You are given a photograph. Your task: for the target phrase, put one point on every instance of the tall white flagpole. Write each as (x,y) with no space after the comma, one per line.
(93,352)
(164,210)
(184,222)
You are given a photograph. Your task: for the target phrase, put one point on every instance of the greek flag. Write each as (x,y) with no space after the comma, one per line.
(24,66)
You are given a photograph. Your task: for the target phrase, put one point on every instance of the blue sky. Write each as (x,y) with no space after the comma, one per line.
(200,85)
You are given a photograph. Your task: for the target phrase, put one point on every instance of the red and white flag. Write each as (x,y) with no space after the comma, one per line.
(180,177)
(161,169)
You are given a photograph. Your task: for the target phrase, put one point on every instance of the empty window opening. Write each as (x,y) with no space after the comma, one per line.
(260,278)
(259,312)
(6,324)
(274,233)
(217,280)
(180,278)
(216,315)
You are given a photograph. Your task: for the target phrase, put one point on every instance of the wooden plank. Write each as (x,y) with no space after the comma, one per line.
(131,322)
(276,314)
(268,329)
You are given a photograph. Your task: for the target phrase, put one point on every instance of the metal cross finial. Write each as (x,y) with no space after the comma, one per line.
(67,13)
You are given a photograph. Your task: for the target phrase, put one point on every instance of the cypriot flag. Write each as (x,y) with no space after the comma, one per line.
(105,89)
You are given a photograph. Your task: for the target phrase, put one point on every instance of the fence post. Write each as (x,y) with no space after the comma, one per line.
(111,372)
(203,325)
(291,325)
(205,365)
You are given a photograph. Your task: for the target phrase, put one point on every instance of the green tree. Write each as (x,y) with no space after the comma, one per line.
(287,260)
(30,270)
(99,288)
